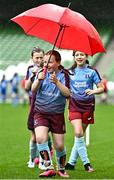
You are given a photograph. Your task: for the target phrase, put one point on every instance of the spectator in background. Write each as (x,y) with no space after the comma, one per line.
(3,89)
(105,93)
(25,92)
(15,89)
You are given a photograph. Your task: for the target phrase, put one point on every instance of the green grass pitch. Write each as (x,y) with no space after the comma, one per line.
(14,139)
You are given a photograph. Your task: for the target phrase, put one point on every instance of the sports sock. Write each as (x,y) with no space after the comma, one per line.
(32,150)
(61,158)
(82,151)
(45,154)
(74,154)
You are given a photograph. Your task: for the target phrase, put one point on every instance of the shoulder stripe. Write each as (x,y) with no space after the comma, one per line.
(27,74)
(90,67)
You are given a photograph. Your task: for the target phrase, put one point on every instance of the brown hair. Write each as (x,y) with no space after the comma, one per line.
(54,53)
(37,49)
(73,53)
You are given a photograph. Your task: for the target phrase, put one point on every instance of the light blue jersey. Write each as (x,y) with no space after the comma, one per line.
(49,99)
(83,79)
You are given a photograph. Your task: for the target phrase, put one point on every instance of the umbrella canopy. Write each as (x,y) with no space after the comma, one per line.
(64,28)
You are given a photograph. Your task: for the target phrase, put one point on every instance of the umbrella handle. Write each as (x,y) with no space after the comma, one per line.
(44,70)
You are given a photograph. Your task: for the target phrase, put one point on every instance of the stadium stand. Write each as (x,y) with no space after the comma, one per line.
(16,45)
(106,63)
(105,34)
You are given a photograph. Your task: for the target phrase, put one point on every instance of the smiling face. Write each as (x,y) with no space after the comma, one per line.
(80,58)
(38,58)
(53,64)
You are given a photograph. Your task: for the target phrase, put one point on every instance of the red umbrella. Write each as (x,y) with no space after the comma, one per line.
(62,27)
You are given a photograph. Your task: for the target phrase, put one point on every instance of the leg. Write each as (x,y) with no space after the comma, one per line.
(77,126)
(73,157)
(42,143)
(50,144)
(74,153)
(58,140)
(79,143)
(32,150)
(79,130)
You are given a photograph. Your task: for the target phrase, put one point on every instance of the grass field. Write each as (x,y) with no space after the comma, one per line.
(14,138)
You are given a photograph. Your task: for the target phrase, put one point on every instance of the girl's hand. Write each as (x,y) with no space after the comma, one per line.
(34,69)
(41,76)
(53,78)
(89,91)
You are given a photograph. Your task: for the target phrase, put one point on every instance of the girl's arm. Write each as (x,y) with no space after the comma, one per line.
(36,83)
(28,83)
(30,79)
(98,90)
(64,90)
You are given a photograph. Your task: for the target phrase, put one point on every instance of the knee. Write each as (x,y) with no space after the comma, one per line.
(59,147)
(40,139)
(79,134)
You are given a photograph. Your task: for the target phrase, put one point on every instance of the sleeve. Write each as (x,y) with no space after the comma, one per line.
(96,77)
(66,79)
(28,72)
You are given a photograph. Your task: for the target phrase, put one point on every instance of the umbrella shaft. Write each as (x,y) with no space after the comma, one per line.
(61,26)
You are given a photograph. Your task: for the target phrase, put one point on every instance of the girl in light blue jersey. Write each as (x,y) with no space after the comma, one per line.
(81,106)
(51,93)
